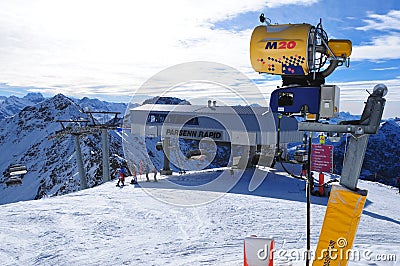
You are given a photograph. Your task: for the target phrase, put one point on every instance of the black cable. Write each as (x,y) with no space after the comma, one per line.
(327,183)
(293,175)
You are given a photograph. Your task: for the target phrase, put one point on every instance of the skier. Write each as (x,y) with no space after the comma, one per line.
(147,173)
(121,177)
(155,174)
(122,171)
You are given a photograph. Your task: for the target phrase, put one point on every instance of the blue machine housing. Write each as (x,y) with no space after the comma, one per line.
(296,100)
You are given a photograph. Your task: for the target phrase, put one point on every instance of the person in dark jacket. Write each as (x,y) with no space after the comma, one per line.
(147,170)
(155,175)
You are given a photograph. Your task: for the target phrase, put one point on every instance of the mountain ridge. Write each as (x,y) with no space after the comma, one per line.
(28,136)
(11,105)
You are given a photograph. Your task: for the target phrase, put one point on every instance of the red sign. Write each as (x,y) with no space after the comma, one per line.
(322,158)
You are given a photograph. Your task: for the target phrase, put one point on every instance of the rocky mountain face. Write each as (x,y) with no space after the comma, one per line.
(29,137)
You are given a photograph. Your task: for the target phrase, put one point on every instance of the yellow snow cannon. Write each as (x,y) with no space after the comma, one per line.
(296,50)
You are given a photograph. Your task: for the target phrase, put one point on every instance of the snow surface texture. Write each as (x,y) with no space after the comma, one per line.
(107,225)
(148,225)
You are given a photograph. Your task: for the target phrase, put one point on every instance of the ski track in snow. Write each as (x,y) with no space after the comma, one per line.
(107,225)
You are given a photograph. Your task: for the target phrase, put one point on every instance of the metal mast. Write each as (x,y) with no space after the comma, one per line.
(75,129)
(104,125)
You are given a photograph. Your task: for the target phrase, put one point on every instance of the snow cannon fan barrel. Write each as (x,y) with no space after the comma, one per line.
(280,49)
(296,50)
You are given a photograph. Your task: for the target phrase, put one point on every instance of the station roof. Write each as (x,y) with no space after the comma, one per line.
(203,109)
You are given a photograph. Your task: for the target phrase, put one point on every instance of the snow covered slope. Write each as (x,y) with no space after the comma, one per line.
(52,170)
(107,225)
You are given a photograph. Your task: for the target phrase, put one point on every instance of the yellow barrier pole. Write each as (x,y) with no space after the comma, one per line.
(338,231)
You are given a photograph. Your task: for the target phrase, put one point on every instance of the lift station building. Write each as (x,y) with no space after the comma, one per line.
(255,130)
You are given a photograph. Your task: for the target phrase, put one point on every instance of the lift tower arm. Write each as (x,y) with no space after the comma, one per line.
(359,130)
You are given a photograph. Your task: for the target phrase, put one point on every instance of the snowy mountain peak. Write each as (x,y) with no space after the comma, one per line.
(89,104)
(10,106)
(392,123)
(34,97)
(165,100)
(50,110)
(60,102)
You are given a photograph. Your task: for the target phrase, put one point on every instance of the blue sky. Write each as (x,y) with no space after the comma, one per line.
(107,49)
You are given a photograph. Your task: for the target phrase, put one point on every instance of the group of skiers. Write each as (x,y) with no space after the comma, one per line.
(121,173)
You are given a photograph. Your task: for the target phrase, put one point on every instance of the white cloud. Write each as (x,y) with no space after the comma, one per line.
(386,22)
(381,48)
(353,96)
(348,90)
(385,68)
(74,46)
(108,48)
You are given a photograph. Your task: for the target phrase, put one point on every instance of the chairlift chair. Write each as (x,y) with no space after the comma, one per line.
(14,174)
(13,181)
(17,169)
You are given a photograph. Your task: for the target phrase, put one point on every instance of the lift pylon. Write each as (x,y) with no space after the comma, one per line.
(104,126)
(75,128)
